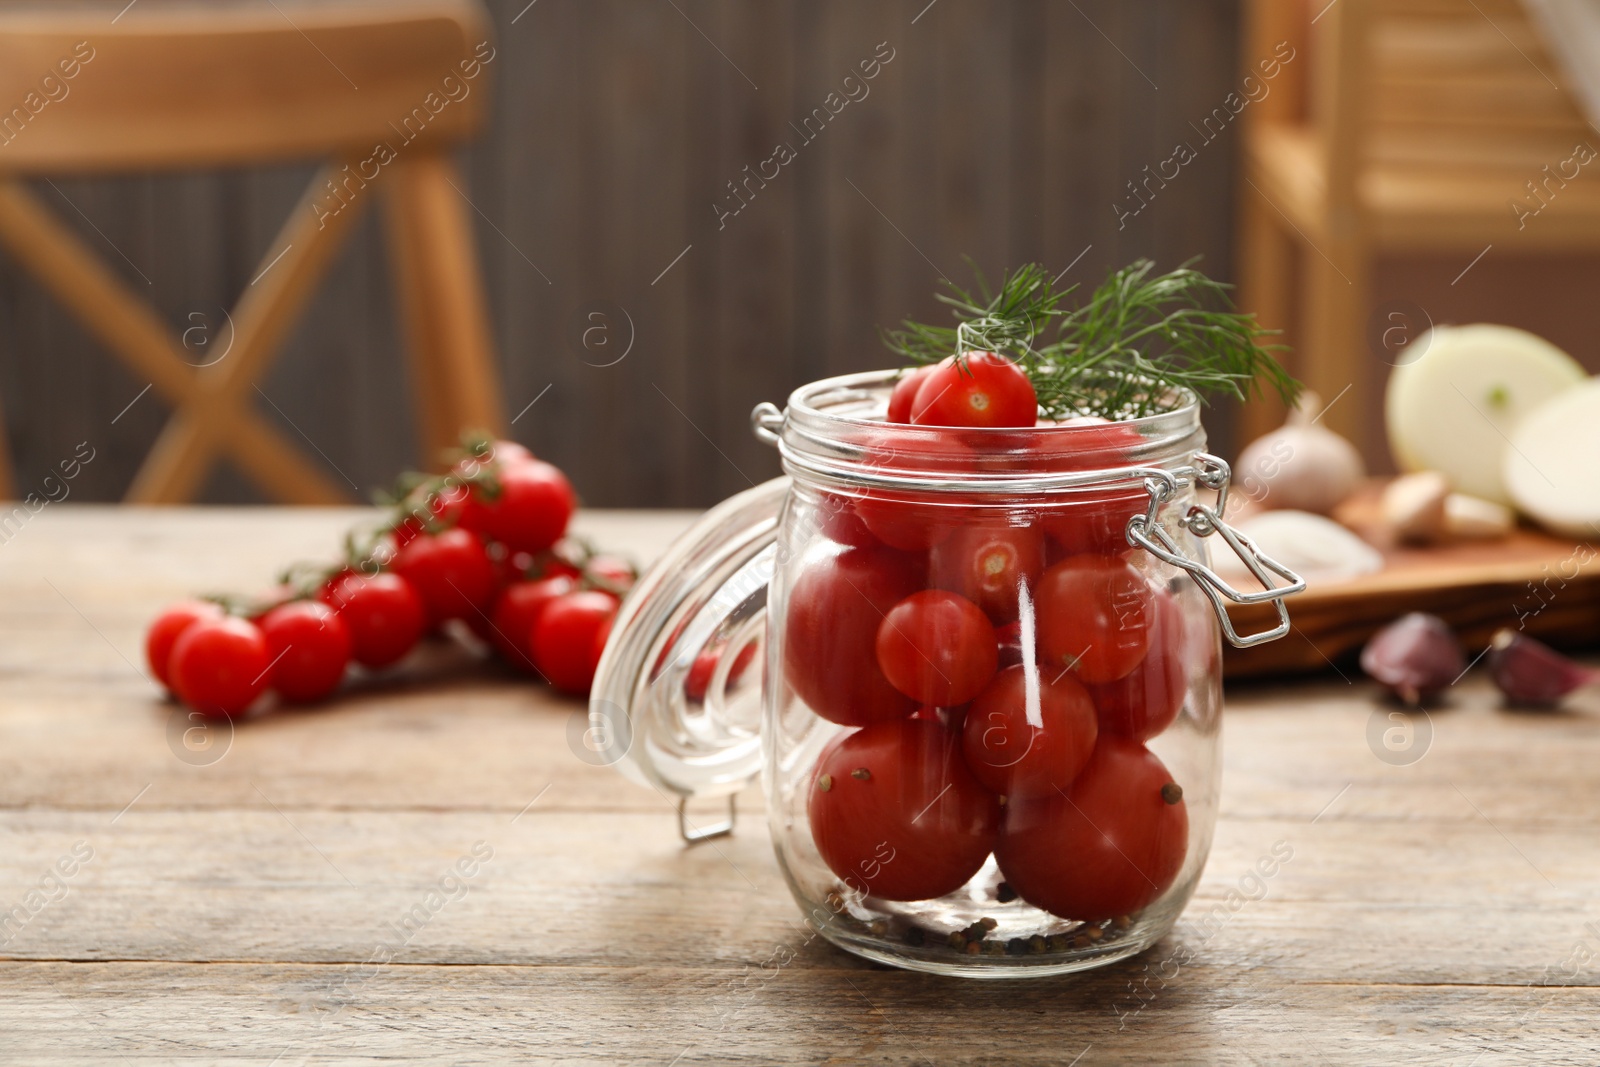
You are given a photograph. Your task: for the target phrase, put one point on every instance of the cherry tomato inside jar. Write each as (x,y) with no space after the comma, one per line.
(837,520)
(1094,615)
(1027,731)
(1147,700)
(1093,524)
(1110,845)
(906,519)
(896,814)
(1009,638)
(989,561)
(1092,519)
(830,633)
(938,648)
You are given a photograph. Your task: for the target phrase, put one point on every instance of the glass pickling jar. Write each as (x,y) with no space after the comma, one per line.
(979,669)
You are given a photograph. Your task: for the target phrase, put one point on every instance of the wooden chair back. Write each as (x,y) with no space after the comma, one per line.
(1431,83)
(188,87)
(381,90)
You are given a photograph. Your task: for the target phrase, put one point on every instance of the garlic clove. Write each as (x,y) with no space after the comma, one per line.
(1415,657)
(1415,506)
(1473,518)
(1531,673)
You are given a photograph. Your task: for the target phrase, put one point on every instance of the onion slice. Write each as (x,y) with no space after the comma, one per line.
(1552,468)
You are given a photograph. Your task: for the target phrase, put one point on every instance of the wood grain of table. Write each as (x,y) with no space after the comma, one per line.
(300,900)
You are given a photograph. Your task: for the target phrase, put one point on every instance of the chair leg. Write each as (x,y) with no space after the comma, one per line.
(1266,271)
(440,289)
(1336,363)
(8,485)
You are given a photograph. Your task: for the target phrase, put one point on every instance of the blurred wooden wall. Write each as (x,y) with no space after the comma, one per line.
(1001,129)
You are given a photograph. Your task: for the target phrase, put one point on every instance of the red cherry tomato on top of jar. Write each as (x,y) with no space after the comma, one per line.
(1146,701)
(830,634)
(896,814)
(535,503)
(310,649)
(219,666)
(517,610)
(938,648)
(451,572)
(989,562)
(568,636)
(905,393)
(1111,845)
(382,612)
(1029,732)
(167,628)
(978,389)
(1094,616)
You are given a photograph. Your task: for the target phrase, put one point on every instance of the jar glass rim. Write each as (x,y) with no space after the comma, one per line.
(834,428)
(841,399)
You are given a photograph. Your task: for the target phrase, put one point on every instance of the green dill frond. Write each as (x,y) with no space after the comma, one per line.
(1121,353)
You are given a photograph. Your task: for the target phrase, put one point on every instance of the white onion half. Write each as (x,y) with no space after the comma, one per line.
(1454,408)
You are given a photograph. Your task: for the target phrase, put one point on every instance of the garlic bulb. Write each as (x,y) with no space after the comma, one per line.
(1301,466)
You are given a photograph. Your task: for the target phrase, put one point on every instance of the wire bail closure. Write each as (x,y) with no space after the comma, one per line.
(766,422)
(1146,532)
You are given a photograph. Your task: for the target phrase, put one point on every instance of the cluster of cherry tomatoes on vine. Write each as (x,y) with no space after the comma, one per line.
(1001,664)
(483,546)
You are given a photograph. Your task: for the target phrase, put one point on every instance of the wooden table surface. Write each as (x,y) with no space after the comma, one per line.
(291,902)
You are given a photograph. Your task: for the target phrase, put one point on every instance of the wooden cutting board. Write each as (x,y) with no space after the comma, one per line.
(1549,586)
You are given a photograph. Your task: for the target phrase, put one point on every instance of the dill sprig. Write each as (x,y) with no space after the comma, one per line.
(1123,353)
